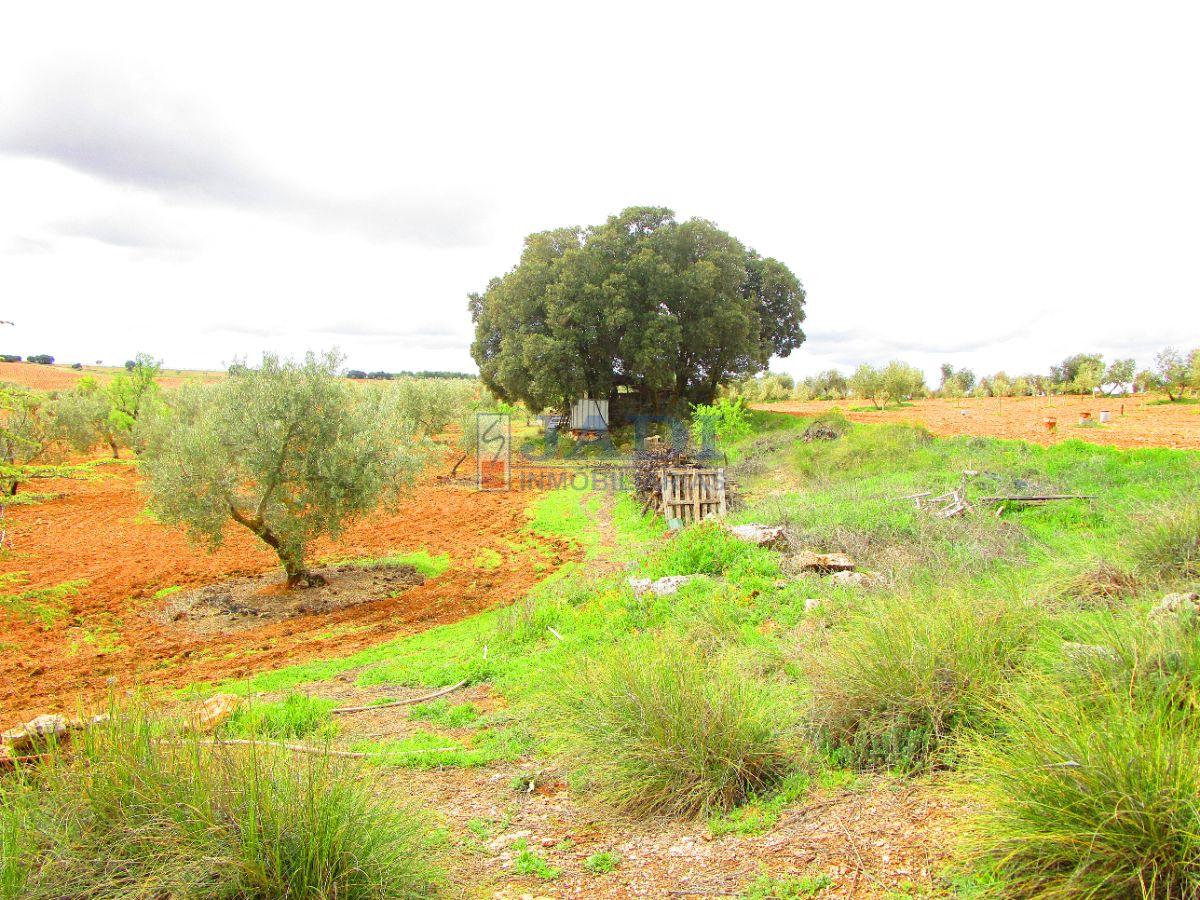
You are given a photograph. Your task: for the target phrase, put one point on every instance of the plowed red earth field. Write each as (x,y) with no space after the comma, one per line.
(60,378)
(98,531)
(1143,422)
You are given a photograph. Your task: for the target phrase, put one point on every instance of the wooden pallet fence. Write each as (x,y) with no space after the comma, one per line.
(693,495)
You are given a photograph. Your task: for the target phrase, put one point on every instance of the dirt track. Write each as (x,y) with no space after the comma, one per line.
(1143,424)
(98,531)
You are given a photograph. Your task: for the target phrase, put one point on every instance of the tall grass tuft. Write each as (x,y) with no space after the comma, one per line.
(660,728)
(131,814)
(899,679)
(1089,797)
(1166,543)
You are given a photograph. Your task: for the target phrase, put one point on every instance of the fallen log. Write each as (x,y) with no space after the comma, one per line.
(409,702)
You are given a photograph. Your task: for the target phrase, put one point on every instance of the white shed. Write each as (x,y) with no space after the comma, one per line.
(589,415)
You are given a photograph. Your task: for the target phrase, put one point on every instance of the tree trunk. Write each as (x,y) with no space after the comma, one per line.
(116,451)
(12,488)
(293,565)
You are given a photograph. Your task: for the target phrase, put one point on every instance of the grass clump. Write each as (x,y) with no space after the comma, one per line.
(296,716)
(602,863)
(785,887)
(896,681)
(659,728)
(1090,797)
(130,815)
(528,862)
(710,549)
(445,713)
(1166,543)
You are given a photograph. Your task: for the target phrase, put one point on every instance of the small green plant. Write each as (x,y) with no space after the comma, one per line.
(602,863)
(36,604)
(726,420)
(659,727)
(529,862)
(296,716)
(445,713)
(785,887)
(1166,542)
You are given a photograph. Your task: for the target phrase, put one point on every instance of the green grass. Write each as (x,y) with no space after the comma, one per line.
(296,716)
(659,728)
(426,750)
(129,815)
(1166,542)
(528,862)
(28,498)
(427,564)
(47,605)
(785,887)
(602,863)
(445,713)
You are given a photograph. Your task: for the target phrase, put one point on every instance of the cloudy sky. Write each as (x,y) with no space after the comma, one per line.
(993,185)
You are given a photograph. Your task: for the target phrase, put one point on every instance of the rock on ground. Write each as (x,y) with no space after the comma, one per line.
(857,579)
(1173,604)
(660,587)
(773,537)
(36,735)
(822,563)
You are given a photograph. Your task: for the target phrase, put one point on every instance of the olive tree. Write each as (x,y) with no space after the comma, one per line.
(867,382)
(902,381)
(289,451)
(83,418)
(25,436)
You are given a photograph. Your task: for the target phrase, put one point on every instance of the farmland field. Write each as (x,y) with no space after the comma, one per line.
(1138,421)
(97,568)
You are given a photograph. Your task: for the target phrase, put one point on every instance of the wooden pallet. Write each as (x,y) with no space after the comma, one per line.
(693,495)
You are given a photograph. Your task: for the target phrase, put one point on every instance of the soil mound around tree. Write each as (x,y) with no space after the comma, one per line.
(238,604)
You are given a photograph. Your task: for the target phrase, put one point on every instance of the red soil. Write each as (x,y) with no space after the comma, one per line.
(1143,424)
(98,531)
(59,378)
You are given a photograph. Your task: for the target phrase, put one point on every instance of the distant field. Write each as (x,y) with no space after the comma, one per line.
(60,377)
(1142,421)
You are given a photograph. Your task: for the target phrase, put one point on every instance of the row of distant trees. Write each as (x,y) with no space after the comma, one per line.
(1174,373)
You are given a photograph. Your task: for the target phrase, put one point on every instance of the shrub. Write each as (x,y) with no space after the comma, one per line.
(1166,543)
(899,679)
(9,357)
(660,728)
(602,863)
(1089,795)
(130,815)
(42,359)
(726,420)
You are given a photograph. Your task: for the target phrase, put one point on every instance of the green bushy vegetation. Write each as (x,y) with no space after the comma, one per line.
(296,716)
(133,813)
(659,728)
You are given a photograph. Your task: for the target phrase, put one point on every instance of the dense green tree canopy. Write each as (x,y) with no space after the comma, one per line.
(668,309)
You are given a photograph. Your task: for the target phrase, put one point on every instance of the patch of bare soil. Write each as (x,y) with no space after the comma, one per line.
(1139,421)
(243,603)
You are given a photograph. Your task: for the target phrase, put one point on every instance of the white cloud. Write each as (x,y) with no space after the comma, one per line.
(993,190)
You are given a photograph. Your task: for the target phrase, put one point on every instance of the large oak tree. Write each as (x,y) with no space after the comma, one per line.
(669,310)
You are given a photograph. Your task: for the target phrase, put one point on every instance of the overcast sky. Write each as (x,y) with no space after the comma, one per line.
(992,185)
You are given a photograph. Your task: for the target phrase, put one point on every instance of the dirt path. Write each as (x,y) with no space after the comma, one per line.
(1144,422)
(98,534)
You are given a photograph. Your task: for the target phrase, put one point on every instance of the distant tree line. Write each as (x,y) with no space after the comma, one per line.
(388,376)
(1174,373)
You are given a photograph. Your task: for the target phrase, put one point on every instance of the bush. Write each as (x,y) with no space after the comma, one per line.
(130,815)
(1091,793)
(1166,543)
(898,680)
(659,728)
(42,359)
(9,357)
(726,420)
